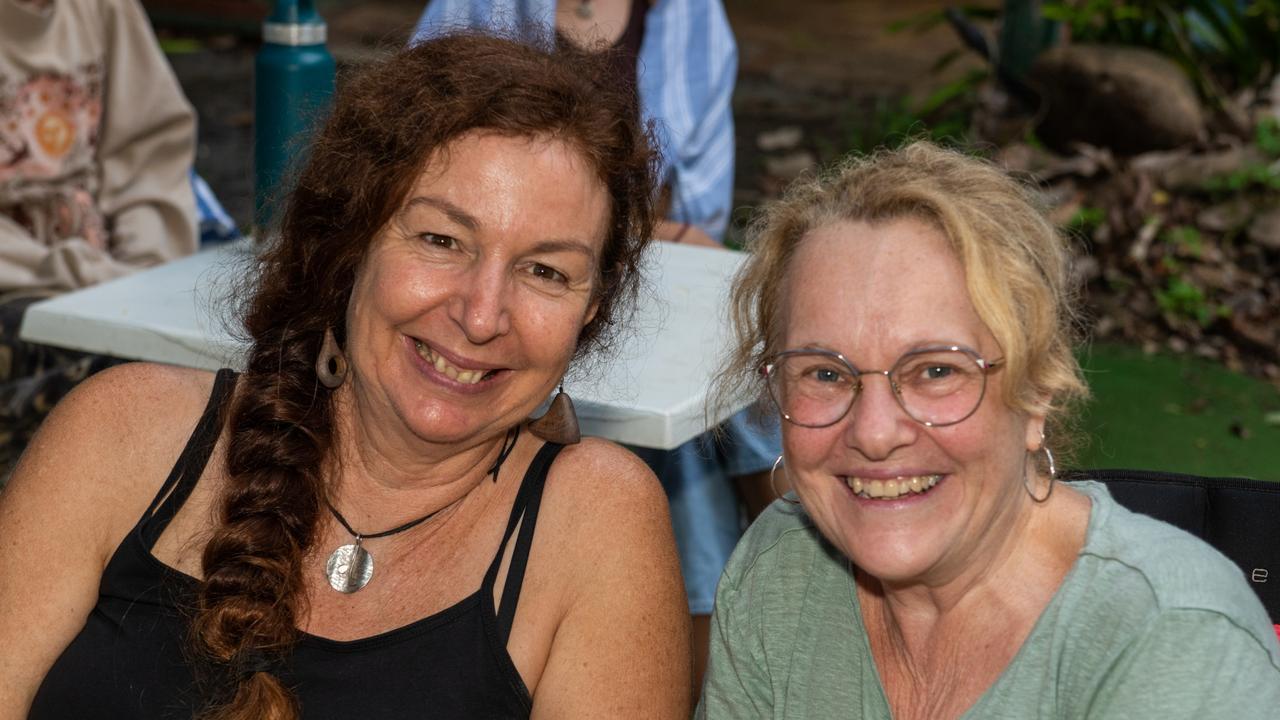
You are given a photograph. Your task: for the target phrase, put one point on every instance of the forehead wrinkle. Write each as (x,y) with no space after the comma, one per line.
(892,283)
(493,196)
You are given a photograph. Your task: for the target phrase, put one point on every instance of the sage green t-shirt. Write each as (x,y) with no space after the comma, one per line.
(1150,622)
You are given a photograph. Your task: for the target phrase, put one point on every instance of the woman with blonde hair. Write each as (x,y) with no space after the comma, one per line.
(910,315)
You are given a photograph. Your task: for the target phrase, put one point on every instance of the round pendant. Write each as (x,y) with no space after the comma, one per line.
(349,568)
(584,10)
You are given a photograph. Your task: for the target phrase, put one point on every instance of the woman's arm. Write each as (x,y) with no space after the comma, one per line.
(83,482)
(622,648)
(736,684)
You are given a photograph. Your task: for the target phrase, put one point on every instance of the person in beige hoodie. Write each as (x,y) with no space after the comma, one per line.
(96,141)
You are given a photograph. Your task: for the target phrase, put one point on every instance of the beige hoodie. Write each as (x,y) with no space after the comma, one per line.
(96,140)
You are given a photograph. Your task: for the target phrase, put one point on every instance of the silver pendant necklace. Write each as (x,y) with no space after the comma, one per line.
(584,10)
(350,566)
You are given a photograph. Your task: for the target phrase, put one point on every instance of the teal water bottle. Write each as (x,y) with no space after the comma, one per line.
(293,83)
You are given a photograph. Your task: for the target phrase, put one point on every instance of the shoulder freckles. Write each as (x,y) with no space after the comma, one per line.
(106,447)
(124,411)
(600,473)
(596,461)
(142,393)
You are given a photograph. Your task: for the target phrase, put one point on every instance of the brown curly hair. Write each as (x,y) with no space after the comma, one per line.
(386,123)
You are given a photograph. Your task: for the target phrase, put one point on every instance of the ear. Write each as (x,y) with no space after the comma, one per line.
(591,311)
(1034,431)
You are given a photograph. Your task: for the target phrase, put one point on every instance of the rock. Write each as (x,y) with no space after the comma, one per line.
(1127,99)
(1142,244)
(1213,276)
(790,166)
(783,138)
(1262,335)
(1265,229)
(1274,96)
(1085,268)
(1225,216)
(1182,170)
(1020,158)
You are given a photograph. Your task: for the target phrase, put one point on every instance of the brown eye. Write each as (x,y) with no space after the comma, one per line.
(437,240)
(546,272)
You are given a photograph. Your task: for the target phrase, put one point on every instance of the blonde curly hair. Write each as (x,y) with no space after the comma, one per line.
(1016,264)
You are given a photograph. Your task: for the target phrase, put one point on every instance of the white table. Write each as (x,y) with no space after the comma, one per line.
(651,392)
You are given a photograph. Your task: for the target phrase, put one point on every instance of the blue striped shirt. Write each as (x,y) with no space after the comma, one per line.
(687,68)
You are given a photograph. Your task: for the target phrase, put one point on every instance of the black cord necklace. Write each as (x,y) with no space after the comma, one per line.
(350,566)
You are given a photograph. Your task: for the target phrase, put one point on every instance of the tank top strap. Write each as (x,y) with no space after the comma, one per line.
(191,463)
(528,499)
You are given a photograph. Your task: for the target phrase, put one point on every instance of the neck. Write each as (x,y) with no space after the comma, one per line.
(379,478)
(1010,578)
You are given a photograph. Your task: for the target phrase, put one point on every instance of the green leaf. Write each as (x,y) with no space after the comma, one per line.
(950,91)
(1267,136)
(944,60)
(180,46)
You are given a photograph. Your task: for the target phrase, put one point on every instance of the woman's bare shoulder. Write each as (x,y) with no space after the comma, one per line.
(147,402)
(597,471)
(109,444)
(621,600)
(606,501)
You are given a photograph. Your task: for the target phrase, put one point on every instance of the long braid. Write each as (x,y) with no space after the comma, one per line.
(251,601)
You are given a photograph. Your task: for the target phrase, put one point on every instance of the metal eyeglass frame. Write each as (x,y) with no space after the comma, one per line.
(985,366)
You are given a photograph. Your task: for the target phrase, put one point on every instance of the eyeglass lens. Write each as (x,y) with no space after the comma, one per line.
(934,387)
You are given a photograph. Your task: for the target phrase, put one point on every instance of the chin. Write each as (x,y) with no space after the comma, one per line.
(892,555)
(439,424)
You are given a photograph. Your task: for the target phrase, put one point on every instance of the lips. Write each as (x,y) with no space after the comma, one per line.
(891,488)
(465,376)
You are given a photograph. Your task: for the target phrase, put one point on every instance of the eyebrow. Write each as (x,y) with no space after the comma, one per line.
(551,246)
(455,213)
(469,221)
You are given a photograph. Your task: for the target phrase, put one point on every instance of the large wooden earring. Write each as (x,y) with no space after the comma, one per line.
(331,365)
(560,423)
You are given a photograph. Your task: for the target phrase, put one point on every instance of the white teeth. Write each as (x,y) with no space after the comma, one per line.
(466,377)
(892,488)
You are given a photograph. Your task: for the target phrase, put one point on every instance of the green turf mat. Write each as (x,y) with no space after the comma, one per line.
(1177,413)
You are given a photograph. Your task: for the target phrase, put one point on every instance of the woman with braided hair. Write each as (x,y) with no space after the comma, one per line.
(365,523)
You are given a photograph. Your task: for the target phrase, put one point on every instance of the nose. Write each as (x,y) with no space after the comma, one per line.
(480,305)
(876,424)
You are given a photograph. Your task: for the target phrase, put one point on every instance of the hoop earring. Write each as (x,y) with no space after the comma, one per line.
(1053,475)
(331,365)
(559,424)
(773,484)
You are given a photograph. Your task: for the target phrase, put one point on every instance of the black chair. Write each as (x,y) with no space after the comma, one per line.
(1238,516)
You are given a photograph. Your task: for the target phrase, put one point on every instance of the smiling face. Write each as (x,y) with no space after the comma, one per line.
(873,293)
(469,305)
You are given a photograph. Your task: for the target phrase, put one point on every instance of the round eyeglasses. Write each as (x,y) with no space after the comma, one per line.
(936,386)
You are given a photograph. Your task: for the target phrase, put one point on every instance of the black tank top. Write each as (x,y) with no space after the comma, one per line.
(130,660)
